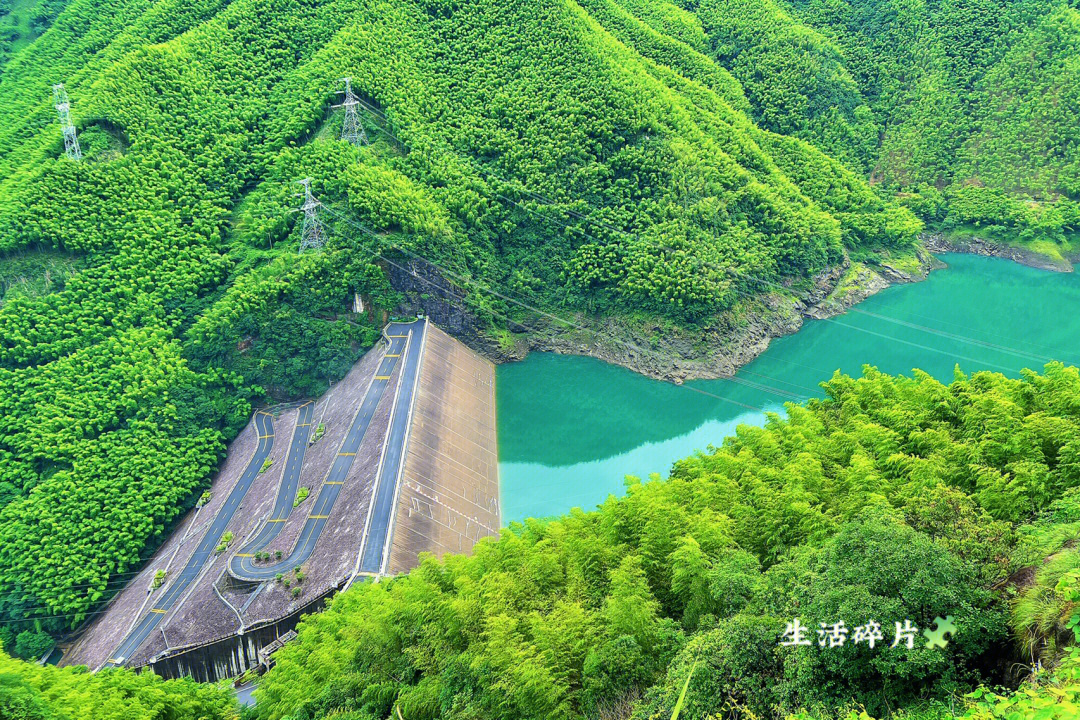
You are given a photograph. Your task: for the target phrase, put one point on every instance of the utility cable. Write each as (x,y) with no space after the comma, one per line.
(549,202)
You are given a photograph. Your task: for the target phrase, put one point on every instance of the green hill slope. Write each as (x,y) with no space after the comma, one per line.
(498,128)
(22,21)
(966,100)
(795,77)
(613,158)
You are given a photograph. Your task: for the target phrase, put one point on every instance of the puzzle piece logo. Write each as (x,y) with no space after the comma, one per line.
(936,638)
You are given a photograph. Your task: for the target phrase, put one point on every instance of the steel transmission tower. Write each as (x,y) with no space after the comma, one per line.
(351,129)
(313,235)
(63,109)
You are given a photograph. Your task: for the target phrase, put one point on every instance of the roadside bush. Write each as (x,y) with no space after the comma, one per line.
(32,644)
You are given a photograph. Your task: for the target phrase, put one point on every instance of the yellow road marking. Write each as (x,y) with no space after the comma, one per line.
(398,336)
(346,454)
(303,424)
(263,437)
(382,377)
(317,517)
(244,555)
(328,482)
(397,355)
(116,661)
(159,611)
(276,520)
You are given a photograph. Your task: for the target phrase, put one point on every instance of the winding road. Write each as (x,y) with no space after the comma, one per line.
(405,341)
(373,550)
(264,425)
(290,483)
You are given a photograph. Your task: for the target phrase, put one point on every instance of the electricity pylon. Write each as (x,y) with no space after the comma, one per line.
(351,129)
(312,235)
(63,109)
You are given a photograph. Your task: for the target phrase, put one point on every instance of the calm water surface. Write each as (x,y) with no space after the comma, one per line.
(571,428)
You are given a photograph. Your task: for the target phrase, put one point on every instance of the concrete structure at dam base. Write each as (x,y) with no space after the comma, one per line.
(405,463)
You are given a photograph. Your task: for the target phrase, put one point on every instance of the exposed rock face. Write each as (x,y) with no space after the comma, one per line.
(427,291)
(938,242)
(718,347)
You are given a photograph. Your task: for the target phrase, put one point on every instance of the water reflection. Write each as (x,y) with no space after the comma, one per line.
(570,428)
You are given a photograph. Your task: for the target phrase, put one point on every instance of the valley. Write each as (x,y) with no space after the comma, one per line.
(259,260)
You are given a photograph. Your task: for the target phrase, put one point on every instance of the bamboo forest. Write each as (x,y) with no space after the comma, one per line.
(530,359)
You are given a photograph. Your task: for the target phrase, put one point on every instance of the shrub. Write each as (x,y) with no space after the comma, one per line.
(32,644)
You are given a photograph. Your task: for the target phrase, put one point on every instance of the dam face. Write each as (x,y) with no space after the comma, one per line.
(448,495)
(399,459)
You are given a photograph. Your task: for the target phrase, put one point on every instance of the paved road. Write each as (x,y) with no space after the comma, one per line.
(264,425)
(290,482)
(245,694)
(405,338)
(372,552)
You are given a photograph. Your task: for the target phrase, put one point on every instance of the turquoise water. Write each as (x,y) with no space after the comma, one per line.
(571,428)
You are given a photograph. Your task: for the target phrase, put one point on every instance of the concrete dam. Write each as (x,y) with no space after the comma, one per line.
(397,459)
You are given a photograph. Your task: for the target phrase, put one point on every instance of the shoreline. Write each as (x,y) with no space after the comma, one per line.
(939,242)
(725,342)
(722,344)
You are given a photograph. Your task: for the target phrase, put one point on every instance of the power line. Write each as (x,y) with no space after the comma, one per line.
(953,336)
(532,308)
(889,337)
(752,278)
(82,616)
(1013,340)
(586,218)
(112,578)
(114,586)
(482,288)
(741,381)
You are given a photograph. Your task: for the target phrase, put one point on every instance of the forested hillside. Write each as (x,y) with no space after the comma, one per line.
(29,692)
(959,107)
(497,127)
(21,21)
(891,499)
(603,158)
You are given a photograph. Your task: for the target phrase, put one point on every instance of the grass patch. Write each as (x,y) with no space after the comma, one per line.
(301,496)
(226,538)
(34,273)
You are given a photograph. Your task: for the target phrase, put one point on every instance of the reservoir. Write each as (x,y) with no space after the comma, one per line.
(571,428)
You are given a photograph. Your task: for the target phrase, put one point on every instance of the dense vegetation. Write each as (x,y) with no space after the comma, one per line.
(184,301)
(960,107)
(606,157)
(23,20)
(30,692)
(890,499)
